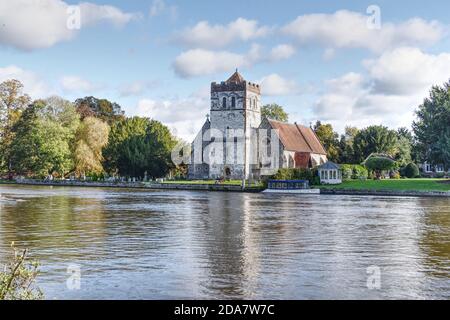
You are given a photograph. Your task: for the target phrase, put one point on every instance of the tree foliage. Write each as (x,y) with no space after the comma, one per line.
(91,138)
(42,138)
(379,164)
(12,103)
(432,126)
(103,109)
(275,112)
(329,139)
(375,139)
(138,145)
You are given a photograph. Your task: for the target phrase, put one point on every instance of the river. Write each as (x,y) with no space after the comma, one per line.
(138,244)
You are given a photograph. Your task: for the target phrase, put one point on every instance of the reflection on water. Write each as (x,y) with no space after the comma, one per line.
(133,244)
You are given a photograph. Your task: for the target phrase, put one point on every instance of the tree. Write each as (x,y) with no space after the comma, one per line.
(43,136)
(375,139)
(411,171)
(12,103)
(379,164)
(103,109)
(432,129)
(329,139)
(346,145)
(91,138)
(404,147)
(275,112)
(138,145)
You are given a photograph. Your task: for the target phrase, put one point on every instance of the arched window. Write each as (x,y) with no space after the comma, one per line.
(224,102)
(233,102)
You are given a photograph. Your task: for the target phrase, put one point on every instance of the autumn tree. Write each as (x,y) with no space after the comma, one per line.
(91,138)
(102,109)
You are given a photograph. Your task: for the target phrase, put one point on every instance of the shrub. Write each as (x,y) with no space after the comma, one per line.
(395,175)
(411,171)
(17,278)
(297,174)
(351,171)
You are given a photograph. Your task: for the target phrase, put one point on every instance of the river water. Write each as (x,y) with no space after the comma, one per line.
(138,244)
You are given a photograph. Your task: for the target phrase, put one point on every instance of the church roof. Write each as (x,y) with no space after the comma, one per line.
(298,138)
(235,78)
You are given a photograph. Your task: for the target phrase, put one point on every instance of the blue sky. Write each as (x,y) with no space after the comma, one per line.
(157,58)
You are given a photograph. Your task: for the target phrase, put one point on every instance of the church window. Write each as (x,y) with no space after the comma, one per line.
(224,102)
(233,102)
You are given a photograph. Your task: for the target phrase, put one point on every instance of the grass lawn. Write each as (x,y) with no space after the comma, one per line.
(395,185)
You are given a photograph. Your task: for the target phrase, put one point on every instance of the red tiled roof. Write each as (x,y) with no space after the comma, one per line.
(298,138)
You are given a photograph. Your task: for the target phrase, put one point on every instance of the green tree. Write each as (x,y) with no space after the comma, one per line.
(91,138)
(138,145)
(329,139)
(379,164)
(346,145)
(103,109)
(43,136)
(375,139)
(275,112)
(432,129)
(12,103)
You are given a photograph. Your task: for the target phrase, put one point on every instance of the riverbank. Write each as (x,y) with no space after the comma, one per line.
(140,185)
(393,188)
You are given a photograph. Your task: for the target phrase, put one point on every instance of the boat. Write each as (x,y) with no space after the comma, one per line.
(290,187)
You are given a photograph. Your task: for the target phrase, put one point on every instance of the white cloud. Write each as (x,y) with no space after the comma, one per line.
(160,7)
(136,88)
(206,36)
(281,52)
(184,116)
(393,87)
(33,84)
(28,24)
(347,29)
(275,85)
(75,84)
(408,71)
(199,62)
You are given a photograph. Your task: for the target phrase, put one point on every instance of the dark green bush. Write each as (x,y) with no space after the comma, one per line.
(411,171)
(297,174)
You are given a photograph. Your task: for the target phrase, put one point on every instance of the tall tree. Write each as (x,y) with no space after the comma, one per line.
(103,109)
(346,145)
(138,145)
(91,138)
(43,136)
(12,103)
(375,139)
(432,129)
(275,112)
(329,139)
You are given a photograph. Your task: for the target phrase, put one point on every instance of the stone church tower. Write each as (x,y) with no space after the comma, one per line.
(235,111)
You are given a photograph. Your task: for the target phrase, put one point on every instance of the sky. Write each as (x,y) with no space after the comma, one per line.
(355,63)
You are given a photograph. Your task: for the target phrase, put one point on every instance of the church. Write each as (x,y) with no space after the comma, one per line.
(236,142)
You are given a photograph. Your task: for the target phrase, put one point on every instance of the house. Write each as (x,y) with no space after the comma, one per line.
(432,170)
